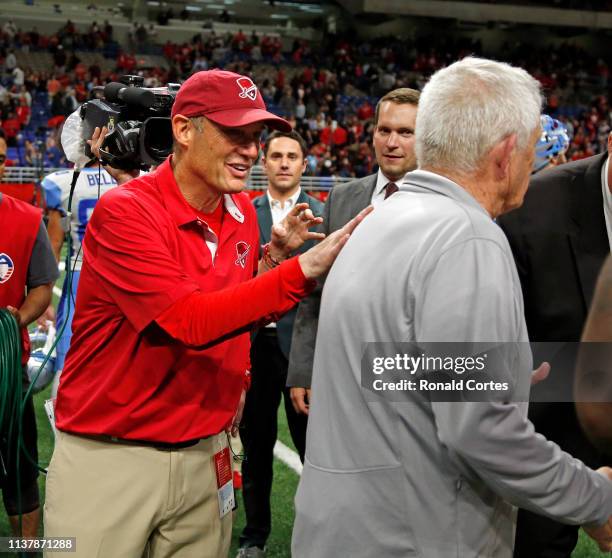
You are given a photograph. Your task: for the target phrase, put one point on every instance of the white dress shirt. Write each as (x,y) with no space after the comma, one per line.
(279,212)
(378,195)
(279,209)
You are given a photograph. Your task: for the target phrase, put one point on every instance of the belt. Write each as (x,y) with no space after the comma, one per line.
(161,446)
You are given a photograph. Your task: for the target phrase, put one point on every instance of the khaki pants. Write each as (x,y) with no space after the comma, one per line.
(123,501)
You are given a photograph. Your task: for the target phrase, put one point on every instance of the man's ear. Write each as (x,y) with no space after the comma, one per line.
(610,144)
(501,154)
(181,130)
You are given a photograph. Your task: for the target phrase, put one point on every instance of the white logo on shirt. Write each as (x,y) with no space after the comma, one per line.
(242,251)
(7,267)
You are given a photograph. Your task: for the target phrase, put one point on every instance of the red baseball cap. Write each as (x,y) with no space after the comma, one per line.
(226,98)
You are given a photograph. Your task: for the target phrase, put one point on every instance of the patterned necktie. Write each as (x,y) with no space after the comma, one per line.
(390,189)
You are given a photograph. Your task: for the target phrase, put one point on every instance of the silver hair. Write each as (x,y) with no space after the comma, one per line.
(468,107)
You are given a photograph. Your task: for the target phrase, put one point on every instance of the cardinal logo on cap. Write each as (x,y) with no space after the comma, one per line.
(6,267)
(242,251)
(247,88)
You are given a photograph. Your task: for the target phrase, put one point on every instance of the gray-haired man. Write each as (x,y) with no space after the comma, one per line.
(427,477)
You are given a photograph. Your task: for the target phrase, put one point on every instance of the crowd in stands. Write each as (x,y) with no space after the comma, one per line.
(328,91)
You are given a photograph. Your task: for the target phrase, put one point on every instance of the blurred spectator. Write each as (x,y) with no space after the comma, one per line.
(108,30)
(152,33)
(313,85)
(23,112)
(10,29)
(58,105)
(59,58)
(4,97)
(32,155)
(10,61)
(141,34)
(300,110)
(53,87)
(365,111)
(199,64)
(287,104)
(11,127)
(164,16)
(18,76)
(55,156)
(70,102)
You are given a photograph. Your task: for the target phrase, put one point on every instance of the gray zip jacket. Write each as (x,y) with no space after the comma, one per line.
(419,477)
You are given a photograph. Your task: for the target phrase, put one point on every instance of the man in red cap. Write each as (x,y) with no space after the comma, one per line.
(158,366)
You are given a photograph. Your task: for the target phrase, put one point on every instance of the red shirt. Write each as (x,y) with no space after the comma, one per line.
(23,114)
(11,127)
(145,250)
(365,111)
(326,135)
(340,136)
(213,219)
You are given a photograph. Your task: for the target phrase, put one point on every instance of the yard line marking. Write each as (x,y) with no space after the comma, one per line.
(288,457)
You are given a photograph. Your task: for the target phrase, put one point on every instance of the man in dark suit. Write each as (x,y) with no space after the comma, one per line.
(560,238)
(394,120)
(284,163)
(593,386)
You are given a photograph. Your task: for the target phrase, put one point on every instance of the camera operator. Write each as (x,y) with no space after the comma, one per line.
(158,366)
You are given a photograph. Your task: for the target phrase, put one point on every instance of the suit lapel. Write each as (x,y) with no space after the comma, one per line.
(264,217)
(362,197)
(302,198)
(588,239)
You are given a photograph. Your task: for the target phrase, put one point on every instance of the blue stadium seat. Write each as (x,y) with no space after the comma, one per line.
(13,153)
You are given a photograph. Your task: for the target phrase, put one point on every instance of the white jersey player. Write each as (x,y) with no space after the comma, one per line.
(92,183)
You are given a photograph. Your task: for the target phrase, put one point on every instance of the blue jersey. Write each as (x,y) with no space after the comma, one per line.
(91,184)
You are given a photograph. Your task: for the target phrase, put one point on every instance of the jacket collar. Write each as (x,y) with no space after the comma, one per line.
(422,179)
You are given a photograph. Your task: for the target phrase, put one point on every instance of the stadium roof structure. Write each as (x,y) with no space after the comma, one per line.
(591,15)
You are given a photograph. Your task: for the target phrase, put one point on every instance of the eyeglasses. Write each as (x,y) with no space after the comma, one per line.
(2,159)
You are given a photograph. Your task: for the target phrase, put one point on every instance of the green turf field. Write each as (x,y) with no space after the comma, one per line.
(285,484)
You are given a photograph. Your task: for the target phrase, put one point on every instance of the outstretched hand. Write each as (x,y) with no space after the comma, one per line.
(318,260)
(292,231)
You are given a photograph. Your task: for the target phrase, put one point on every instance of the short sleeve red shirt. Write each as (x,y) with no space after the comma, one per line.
(144,249)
